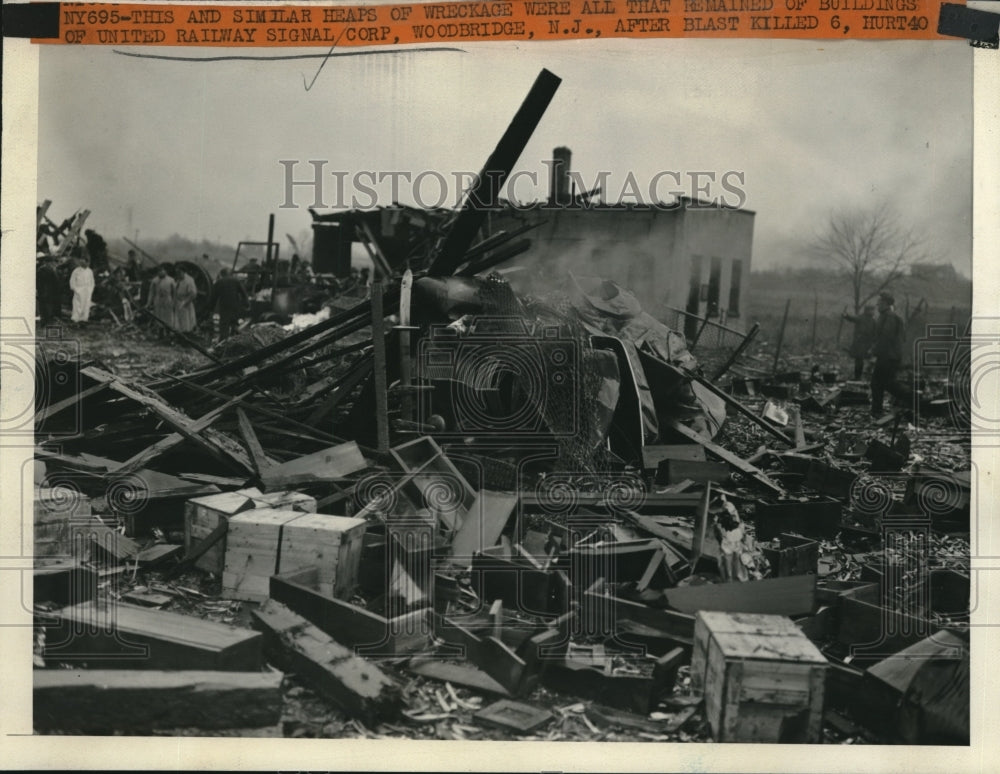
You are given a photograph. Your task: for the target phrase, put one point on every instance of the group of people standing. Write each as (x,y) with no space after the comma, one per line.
(172,301)
(881,338)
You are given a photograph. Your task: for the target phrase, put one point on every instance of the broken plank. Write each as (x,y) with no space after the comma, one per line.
(104,701)
(359,687)
(459,674)
(325,465)
(158,553)
(727,456)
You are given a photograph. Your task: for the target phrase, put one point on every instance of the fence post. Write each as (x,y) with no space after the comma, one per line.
(781,337)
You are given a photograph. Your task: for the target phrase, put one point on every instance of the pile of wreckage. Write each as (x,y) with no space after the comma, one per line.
(451,511)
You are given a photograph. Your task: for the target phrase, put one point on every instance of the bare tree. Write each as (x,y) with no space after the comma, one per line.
(870,247)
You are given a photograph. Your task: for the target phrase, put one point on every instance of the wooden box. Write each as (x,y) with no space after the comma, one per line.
(202,515)
(762,679)
(818,517)
(794,555)
(252,547)
(332,544)
(369,633)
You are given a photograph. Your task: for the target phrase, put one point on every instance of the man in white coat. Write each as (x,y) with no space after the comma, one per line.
(81,282)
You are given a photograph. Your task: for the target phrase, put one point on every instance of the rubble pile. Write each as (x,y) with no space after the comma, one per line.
(452,512)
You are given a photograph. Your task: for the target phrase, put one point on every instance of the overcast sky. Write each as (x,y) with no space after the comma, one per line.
(161,147)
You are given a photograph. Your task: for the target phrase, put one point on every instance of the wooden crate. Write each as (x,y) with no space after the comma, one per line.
(202,515)
(794,555)
(332,544)
(252,547)
(762,679)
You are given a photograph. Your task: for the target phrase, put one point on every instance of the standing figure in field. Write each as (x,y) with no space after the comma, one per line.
(162,298)
(888,352)
(185,295)
(864,337)
(81,281)
(231,300)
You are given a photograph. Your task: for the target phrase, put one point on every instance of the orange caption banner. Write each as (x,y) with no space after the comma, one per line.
(247,26)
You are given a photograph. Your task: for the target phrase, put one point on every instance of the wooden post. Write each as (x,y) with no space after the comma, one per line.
(737,352)
(272,266)
(781,337)
(698,334)
(378,339)
(812,346)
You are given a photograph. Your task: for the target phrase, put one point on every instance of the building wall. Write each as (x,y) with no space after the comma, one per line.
(648,251)
(728,236)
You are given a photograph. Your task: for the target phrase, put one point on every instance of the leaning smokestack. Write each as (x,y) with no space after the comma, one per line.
(559,189)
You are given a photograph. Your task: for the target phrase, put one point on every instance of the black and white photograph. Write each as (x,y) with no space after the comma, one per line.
(595,391)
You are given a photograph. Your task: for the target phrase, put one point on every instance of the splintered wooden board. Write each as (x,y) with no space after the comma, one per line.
(330,543)
(513,715)
(325,465)
(483,524)
(130,637)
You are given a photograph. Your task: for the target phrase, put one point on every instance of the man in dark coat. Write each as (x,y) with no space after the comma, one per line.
(48,288)
(888,351)
(864,337)
(229,297)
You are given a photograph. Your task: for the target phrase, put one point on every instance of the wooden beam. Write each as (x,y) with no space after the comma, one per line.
(147,455)
(105,701)
(359,687)
(172,416)
(260,460)
(129,637)
(731,401)
(65,403)
(727,456)
(485,192)
(355,375)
